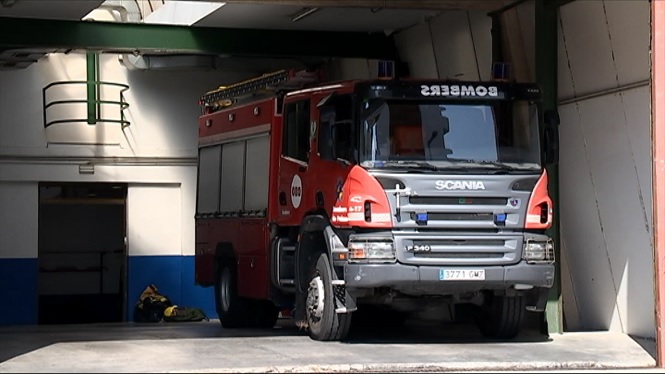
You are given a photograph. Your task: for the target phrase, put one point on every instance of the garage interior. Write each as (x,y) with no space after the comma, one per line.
(93,218)
(81,253)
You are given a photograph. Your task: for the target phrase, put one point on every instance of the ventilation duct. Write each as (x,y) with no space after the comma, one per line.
(170,62)
(121,10)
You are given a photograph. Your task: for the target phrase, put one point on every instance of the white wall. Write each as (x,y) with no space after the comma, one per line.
(160,204)
(455,44)
(605,169)
(154,220)
(158,148)
(162,108)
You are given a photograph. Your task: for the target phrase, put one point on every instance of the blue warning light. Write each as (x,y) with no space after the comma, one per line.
(421,218)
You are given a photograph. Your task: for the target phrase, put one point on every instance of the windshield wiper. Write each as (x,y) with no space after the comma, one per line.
(498,165)
(421,165)
(484,164)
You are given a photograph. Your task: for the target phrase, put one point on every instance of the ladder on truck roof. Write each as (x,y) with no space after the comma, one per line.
(266,84)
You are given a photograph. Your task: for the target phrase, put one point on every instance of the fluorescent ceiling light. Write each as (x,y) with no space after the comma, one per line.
(183,13)
(304,12)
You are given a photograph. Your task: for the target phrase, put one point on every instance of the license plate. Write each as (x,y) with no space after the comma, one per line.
(466,274)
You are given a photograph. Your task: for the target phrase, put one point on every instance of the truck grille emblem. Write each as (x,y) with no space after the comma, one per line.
(459,185)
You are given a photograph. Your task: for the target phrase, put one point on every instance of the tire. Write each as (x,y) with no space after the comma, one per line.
(324,324)
(232,310)
(501,317)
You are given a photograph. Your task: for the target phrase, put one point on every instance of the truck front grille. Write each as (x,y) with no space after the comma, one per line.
(442,200)
(460,255)
(457,216)
(458,249)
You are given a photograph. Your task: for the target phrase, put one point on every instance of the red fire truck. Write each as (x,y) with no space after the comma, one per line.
(393,196)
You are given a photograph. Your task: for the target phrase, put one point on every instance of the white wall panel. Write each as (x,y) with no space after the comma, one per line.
(565,88)
(605,169)
(639,282)
(453,46)
(587,43)
(481,29)
(527,17)
(580,227)
(415,47)
(19,203)
(638,121)
(153,220)
(350,68)
(630,32)
(514,46)
(629,251)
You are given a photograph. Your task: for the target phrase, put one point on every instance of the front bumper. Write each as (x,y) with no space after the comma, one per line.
(425,279)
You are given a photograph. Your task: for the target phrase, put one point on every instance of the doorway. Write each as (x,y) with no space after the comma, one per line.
(82,253)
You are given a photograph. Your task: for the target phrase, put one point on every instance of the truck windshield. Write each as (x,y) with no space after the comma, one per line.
(402,133)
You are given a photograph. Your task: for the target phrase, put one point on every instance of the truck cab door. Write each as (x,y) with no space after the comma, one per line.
(334,151)
(293,201)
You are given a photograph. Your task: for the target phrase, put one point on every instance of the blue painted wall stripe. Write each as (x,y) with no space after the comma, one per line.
(173,276)
(18,291)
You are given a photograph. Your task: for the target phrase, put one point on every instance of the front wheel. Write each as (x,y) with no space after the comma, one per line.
(324,323)
(501,316)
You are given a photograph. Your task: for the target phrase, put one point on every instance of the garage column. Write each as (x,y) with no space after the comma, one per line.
(546,75)
(658,128)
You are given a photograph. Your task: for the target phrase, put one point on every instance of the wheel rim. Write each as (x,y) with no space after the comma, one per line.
(315,298)
(225,290)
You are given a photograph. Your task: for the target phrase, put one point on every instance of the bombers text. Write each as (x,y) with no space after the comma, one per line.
(458,90)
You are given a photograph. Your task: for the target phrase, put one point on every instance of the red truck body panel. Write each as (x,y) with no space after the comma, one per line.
(249,236)
(342,186)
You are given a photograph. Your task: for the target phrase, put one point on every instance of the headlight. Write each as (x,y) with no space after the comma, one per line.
(379,250)
(538,252)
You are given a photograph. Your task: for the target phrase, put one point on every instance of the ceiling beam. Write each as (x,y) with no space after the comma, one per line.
(111,37)
(485,5)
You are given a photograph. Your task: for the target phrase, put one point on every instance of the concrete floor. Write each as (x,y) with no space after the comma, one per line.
(418,346)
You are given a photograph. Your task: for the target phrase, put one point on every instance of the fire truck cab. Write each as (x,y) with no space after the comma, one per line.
(390,195)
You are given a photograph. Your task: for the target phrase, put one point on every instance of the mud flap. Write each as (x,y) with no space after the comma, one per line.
(537,300)
(344,302)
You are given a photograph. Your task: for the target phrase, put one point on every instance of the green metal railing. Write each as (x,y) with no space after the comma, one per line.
(92,101)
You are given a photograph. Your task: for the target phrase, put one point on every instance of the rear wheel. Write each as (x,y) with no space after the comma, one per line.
(233,311)
(324,323)
(501,316)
